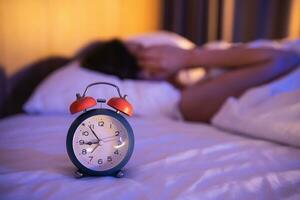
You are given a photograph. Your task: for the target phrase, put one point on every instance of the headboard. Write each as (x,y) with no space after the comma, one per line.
(2,90)
(18,88)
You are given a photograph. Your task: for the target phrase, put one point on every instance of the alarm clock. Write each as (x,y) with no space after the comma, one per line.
(100,141)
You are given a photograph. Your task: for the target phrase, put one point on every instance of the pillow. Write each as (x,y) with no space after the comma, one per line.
(162,38)
(55,94)
(48,98)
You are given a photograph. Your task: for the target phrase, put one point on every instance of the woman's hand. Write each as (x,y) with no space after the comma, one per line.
(161,61)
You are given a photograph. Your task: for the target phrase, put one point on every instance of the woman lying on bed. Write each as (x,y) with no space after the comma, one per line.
(246,67)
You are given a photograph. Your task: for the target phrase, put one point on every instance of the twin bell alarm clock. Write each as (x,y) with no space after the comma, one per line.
(100,141)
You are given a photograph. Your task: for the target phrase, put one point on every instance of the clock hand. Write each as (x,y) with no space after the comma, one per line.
(95,148)
(94,133)
(113,139)
(90,143)
(108,137)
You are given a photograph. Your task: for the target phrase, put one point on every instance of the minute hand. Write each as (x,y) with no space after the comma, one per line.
(94,133)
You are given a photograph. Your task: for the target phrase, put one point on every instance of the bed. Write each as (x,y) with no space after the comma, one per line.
(172,159)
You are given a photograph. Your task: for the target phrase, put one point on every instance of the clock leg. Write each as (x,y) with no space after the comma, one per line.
(78,174)
(119,174)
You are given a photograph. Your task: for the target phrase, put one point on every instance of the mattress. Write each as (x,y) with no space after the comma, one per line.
(171,160)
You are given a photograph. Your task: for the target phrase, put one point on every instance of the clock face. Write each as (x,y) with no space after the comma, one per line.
(100,142)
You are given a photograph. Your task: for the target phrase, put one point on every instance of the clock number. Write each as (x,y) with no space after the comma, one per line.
(116,152)
(100,161)
(85,133)
(83,151)
(91,158)
(81,142)
(101,123)
(117,133)
(109,158)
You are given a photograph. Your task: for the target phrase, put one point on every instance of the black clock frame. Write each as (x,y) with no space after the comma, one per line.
(78,121)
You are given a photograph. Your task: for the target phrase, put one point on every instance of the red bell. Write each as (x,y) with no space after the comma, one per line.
(121,104)
(81,104)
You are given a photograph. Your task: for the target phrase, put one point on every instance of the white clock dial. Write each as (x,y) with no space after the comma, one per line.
(100,142)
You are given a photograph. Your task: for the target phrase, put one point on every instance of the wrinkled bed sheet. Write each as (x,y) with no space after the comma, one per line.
(171,160)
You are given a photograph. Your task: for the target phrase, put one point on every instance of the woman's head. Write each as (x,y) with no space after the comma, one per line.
(112,57)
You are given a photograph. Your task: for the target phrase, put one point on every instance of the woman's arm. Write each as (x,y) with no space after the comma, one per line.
(228,58)
(165,60)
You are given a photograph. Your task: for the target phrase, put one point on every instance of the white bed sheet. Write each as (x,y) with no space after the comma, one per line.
(171,160)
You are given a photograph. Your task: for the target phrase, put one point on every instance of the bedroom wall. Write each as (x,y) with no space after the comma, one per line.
(32,29)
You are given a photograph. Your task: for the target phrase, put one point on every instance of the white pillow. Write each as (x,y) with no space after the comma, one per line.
(162,38)
(55,94)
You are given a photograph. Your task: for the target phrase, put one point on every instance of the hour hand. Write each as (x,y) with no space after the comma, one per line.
(90,142)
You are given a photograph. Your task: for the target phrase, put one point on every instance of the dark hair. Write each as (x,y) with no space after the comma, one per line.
(112,57)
